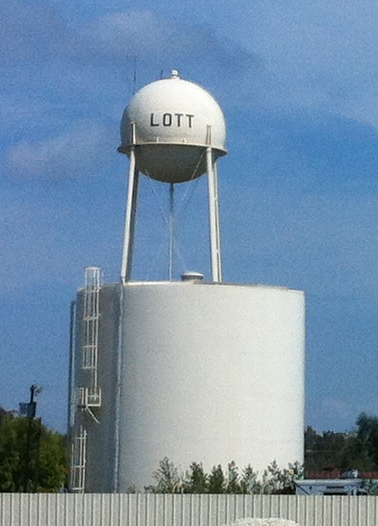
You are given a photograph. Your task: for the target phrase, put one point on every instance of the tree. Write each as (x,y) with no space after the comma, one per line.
(167,479)
(277,481)
(357,449)
(3,414)
(249,483)
(324,450)
(232,482)
(32,457)
(216,480)
(197,480)
(52,461)
(367,435)
(274,479)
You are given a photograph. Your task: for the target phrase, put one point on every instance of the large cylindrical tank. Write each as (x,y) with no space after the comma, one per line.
(198,372)
(174,121)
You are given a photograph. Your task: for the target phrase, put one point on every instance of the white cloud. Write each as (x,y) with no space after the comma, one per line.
(276,55)
(29,31)
(317,55)
(37,33)
(68,155)
(126,34)
(150,37)
(325,244)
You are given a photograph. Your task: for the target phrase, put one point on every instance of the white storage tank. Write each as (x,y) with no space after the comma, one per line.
(194,371)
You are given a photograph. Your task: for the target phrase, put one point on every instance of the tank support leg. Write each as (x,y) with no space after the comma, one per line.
(215,252)
(131,204)
(171,224)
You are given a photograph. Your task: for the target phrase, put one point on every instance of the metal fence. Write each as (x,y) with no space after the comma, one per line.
(181,510)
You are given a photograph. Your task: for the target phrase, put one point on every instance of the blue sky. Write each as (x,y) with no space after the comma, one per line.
(298,83)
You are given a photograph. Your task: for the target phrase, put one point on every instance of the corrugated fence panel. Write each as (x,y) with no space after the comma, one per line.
(181,510)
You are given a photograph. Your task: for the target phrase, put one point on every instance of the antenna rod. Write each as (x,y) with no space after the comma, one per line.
(135,75)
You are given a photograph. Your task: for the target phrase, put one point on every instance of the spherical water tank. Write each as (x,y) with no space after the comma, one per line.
(174,121)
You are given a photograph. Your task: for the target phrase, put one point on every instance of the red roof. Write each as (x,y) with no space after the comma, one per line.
(336,474)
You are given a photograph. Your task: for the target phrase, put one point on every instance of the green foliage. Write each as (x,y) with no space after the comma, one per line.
(233,482)
(216,480)
(197,480)
(52,461)
(357,449)
(322,450)
(3,414)
(278,482)
(274,480)
(249,483)
(367,437)
(32,458)
(10,455)
(167,479)
(370,486)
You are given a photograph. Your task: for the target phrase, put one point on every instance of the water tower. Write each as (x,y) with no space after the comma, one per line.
(173,131)
(191,370)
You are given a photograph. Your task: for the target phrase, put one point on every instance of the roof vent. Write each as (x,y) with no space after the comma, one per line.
(191,276)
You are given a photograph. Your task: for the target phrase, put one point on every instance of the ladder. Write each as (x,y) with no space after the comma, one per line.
(78,461)
(90,395)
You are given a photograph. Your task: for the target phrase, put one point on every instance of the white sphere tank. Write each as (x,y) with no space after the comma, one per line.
(196,372)
(174,121)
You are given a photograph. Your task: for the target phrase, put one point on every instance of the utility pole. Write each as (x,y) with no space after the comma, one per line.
(29,409)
